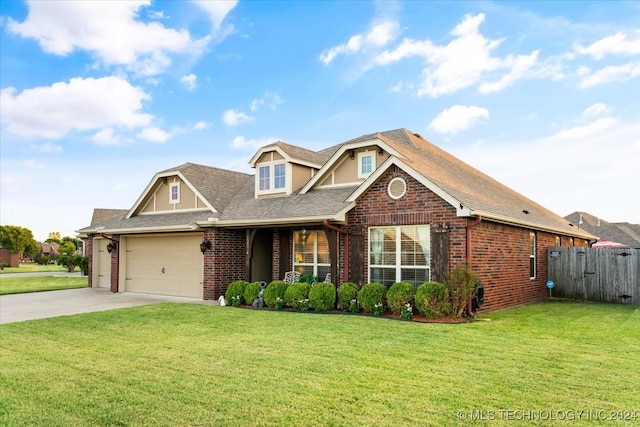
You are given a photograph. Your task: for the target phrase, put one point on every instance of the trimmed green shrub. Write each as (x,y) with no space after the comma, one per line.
(322,296)
(461,282)
(347,292)
(371,297)
(251,292)
(432,300)
(234,290)
(295,294)
(273,291)
(399,295)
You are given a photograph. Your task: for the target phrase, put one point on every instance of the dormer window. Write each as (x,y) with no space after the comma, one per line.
(174,193)
(272,178)
(366,163)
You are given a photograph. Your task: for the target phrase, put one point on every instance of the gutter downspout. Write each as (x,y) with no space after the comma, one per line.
(346,246)
(477,221)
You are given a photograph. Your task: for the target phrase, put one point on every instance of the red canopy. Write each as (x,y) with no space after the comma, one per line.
(604,243)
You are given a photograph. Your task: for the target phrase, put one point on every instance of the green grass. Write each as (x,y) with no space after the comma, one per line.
(19,285)
(182,364)
(32,267)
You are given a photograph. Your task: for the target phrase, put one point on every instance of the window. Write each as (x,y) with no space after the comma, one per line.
(311,253)
(366,163)
(279,176)
(265,181)
(174,192)
(532,255)
(276,181)
(399,254)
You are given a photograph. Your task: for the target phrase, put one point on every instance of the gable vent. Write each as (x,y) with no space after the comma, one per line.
(397,188)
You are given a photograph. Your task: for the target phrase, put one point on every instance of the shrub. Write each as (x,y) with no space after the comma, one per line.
(307,278)
(399,295)
(370,295)
(432,299)
(273,291)
(251,292)
(236,288)
(322,296)
(44,260)
(347,292)
(461,282)
(296,294)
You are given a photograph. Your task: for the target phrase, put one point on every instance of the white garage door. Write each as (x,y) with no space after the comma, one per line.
(164,265)
(101,264)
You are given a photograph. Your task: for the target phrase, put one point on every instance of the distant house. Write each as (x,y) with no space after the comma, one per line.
(49,249)
(620,232)
(384,207)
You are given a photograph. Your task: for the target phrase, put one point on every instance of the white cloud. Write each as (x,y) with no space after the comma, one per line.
(597,109)
(106,137)
(270,99)
(234,117)
(463,62)
(582,132)
(201,125)
(154,134)
(32,164)
(110,31)
(48,147)
(457,118)
(217,10)
(79,105)
(520,66)
(378,36)
(239,142)
(189,81)
(617,44)
(609,74)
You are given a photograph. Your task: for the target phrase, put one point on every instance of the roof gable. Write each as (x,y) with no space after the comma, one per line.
(292,154)
(204,181)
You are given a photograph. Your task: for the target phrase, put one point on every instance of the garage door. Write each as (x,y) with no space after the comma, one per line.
(102,278)
(164,265)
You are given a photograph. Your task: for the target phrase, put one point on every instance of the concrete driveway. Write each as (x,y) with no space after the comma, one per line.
(40,305)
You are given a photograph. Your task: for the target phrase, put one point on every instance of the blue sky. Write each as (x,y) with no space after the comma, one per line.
(99,96)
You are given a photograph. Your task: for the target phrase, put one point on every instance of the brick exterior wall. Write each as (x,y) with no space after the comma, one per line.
(418,206)
(499,253)
(88,251)
(115,265)
(225,262)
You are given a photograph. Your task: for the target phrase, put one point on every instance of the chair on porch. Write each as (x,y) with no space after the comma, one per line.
(291,277)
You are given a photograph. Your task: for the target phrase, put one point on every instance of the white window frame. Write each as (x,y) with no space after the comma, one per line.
(398,265)
(315,264)
(361,156)
(271,167)
(173,185)
(532,256)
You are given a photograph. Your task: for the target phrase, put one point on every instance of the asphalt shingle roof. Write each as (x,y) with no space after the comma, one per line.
(619,232)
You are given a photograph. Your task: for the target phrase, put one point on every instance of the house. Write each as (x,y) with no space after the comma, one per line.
(384,207)
(619,232)
(50,249)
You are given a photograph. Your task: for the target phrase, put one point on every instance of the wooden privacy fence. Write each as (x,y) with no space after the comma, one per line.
(601,274)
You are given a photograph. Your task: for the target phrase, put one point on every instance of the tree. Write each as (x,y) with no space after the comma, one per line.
(68,255)
(54,237)
(18,239)
(77,243)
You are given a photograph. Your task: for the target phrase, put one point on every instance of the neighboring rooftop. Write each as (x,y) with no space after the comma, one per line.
(619,232)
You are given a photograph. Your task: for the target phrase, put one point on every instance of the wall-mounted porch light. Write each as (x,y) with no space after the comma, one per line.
(205,245)
(111,246)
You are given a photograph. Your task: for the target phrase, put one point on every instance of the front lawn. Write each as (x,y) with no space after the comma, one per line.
(19,285)
(183,364)
(31,267)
